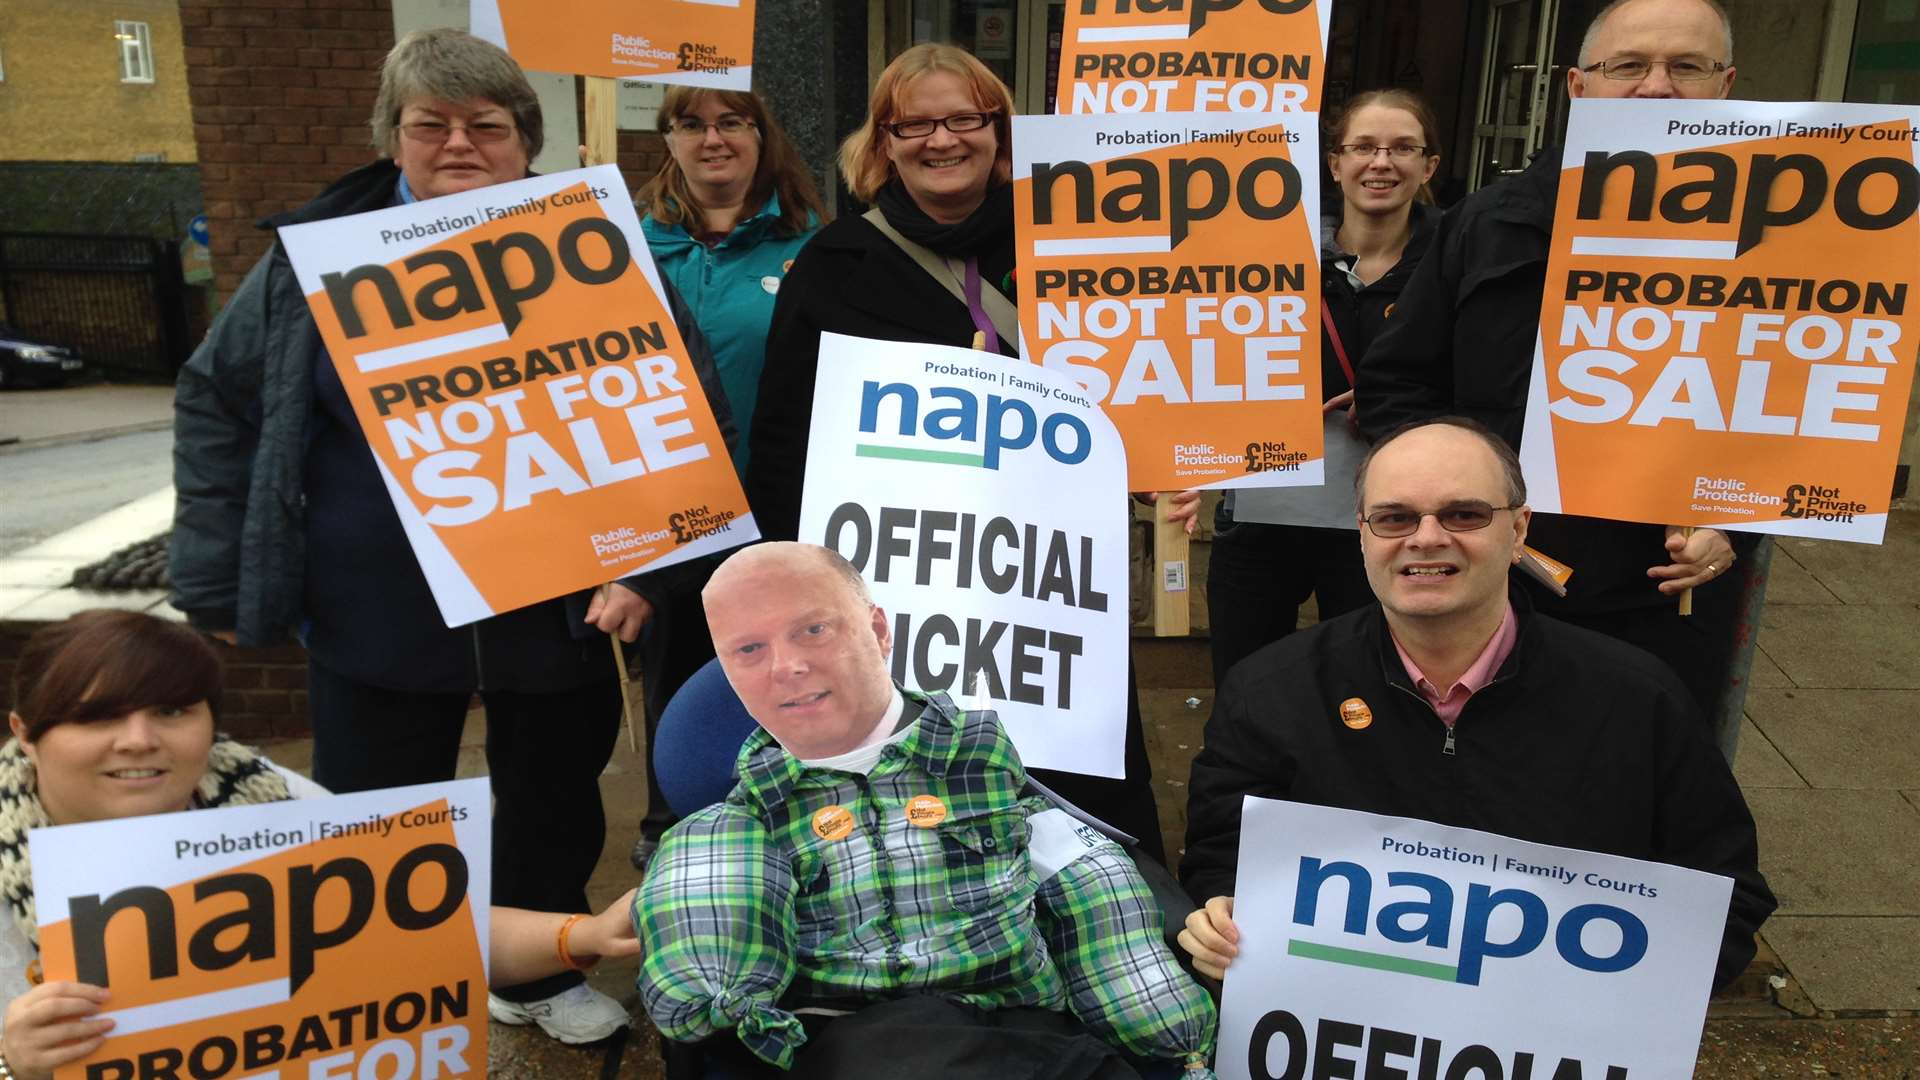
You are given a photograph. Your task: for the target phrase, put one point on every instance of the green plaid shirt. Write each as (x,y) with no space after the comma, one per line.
(882,906)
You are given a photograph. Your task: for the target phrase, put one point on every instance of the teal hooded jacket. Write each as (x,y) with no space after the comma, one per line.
(731,288)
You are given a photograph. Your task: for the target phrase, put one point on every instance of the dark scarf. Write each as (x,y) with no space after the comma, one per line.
(236,776)
(986,234)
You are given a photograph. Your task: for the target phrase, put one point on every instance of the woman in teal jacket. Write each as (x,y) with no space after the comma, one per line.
(724,217)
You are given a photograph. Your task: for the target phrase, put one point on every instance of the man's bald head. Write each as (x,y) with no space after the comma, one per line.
(795,557)
(1658,37)
(1594,27)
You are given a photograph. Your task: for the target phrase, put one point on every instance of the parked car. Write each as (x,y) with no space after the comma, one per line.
(25,361)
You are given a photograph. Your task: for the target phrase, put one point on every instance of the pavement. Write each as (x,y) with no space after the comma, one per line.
(1829,758)
(45,417)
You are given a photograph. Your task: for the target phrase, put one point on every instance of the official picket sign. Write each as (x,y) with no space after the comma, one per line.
(318,939)
(1170,264)
(511,358)
(1243,56)
(981,498)
(1729,330)
(693,42)
(1374,946)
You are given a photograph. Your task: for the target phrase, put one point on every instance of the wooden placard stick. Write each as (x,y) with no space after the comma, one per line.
(1171,616)
(603,148)
(1686,594)
(603,121)
(626,691)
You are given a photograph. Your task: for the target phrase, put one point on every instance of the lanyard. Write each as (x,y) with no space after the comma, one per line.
(980,320)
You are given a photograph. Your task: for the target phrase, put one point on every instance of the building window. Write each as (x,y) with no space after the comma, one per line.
(136,51)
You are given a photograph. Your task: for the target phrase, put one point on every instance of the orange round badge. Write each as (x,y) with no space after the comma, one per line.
(832,823)
(926,811)
(1355,714)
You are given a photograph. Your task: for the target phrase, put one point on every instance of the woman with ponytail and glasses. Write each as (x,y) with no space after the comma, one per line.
(1382,150)
(932,262)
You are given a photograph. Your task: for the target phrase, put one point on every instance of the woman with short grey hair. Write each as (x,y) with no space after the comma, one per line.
(284,527)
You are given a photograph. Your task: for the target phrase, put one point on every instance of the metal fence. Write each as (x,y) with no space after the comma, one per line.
(120,300)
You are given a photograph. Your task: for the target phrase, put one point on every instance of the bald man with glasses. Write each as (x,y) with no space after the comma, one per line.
(1461,341)
(1451,700)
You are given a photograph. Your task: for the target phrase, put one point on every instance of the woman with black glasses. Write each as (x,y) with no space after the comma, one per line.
(935,159)
(932,262)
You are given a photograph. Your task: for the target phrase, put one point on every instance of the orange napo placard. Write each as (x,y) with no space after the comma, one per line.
(1170,265)
(524,389)
(1729,328)
(348,948)
(1244,56)
(696,42)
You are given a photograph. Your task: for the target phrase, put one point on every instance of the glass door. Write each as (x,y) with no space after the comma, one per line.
(989,29)
(1041,25)
(1516,87)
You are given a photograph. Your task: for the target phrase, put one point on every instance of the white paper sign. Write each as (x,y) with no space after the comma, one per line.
(984,501)
(1379,946)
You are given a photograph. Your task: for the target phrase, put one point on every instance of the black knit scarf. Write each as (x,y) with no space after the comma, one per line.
(986,234)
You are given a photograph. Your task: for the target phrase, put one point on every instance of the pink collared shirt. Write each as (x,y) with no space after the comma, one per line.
(1471,681)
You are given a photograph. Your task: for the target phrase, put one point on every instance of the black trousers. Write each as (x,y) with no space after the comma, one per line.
(1698,647)
(545,753)
(1260,574)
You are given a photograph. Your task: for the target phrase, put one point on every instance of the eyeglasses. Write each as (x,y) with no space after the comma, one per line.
(692,127)
(437,131)
(1367,151)
(958,123)
(1469,516)
(1679,69)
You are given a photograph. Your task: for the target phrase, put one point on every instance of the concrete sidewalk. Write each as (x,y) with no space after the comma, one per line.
(72,413)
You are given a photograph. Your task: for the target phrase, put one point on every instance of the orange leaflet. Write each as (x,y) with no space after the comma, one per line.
(1129,56)
(350,955)
(524,389)
(1728,336)
(1170,265)
(696,42)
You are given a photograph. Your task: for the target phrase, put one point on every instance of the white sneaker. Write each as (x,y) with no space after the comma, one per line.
(578,1014)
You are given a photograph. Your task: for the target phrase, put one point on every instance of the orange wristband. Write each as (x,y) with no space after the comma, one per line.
(560,946)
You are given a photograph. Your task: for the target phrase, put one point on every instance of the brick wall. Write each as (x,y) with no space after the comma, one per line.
(281,91)
(63,98)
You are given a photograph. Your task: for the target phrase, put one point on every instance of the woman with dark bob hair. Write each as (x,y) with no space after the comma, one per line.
(284,526)
(113,717)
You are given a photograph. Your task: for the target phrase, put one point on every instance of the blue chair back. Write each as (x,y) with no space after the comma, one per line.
(698,739)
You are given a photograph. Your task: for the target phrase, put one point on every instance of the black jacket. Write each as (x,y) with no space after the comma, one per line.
(1360,315)
(247,418)
(1578,742)
(852,280)
(1461,342)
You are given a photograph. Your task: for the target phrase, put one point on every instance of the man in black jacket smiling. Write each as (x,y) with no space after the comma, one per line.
(1462,341)
(1452,701)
